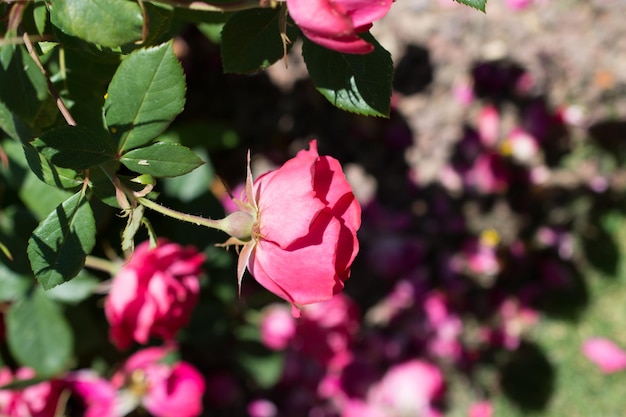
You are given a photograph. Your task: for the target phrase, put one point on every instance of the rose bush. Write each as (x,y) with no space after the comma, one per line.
(336,24)
(298,225)
(153,294)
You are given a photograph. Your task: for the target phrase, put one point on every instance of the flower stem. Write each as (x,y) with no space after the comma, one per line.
(100,264)
(189,218)
(207,7)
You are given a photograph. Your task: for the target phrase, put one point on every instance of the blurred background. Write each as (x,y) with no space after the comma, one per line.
(493,227)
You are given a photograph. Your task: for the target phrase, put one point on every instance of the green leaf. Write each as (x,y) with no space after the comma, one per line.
(38,335)
(355,83)
(75,147)
(110,23)
(14,126)
(27,158)
(145,95)
(13,285)
(59,245)
(162,159)
(76,290)
(476,4)
(23,88)
(251,40)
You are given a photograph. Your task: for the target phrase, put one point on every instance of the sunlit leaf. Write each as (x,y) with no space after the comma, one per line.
(145,95)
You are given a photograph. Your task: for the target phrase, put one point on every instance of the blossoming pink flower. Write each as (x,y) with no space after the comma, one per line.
(163,388)
(298,226)
(153,294)
(39,400)
(336,24)
(277,327)
(605,354)
(98,396)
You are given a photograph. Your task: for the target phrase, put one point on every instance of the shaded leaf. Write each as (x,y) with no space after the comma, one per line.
(38,335)
(162,159)
(109,23)
(75,147)
(145,95)
(23,88)
(59,245)
(355,83)
(251,40)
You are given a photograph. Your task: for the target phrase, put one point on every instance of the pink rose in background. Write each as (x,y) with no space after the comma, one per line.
(153,294)
(481,409)
(38,400)
(605,354)
(277,327)
(336,24)
(163,388)
(408,389)
(298,227)
(97,395)
(489,126)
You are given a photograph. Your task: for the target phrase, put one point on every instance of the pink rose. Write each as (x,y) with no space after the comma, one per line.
(298,227)
(153,294)
(605,354)
(277,327)
(336,24)
(97,395)
(163,388)
(38,400)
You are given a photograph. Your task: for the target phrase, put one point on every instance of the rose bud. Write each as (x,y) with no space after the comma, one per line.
(297,225)
(153,294)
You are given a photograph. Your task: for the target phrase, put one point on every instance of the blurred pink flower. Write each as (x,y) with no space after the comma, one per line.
(605,354)
(163,388)
(298,227)
(227,201)
(326,330)
(489,126)
(97,395)
(522,146)
(489,174)
(336,24)
(262,408)
(480,409)
(408,389)
(38,400)
(277,327)
(481,258)
(517,4)
(153,294)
